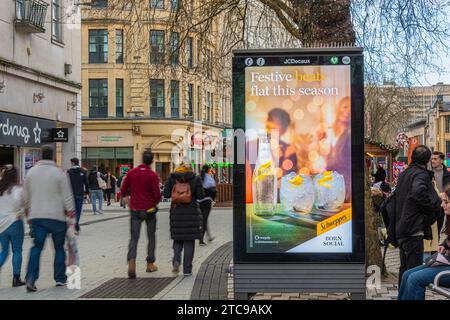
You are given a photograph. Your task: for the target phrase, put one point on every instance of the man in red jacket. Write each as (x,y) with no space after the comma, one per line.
(142,186)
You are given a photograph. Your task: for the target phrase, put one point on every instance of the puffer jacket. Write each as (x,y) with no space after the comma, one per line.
(185,219)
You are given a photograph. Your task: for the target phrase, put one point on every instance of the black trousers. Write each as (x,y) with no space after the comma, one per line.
(108,193)
(136,219)
(411,254)
(188,256)
(205,207)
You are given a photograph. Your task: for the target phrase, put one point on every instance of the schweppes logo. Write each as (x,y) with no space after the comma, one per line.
(335,221)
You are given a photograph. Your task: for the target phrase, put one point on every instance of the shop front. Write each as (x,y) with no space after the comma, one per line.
(107,159)
(21,138)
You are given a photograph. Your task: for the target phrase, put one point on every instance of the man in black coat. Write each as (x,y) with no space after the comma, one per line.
(185,219)
(80,186)
(417,206)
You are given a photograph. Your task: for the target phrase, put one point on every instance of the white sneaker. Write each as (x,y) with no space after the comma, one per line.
(61,284)
(100,211)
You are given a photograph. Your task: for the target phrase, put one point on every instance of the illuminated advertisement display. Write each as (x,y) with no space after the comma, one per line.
(303,141)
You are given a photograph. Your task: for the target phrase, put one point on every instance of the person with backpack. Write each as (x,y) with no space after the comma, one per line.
(142,186)
(96,186)
(80,187)
(11,223)
(209,188)
(417,206)
(185,188)
(415,281)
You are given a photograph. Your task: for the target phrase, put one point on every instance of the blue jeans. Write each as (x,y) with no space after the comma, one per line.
(41,228)
(79,208)
(15,235)
(96,194)
(415,280)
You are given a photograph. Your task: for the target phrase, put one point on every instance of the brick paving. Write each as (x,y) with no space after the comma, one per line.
(103,244)
(388,290)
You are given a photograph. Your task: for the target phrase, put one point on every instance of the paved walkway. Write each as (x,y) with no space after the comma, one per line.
(388,290)
(103,244)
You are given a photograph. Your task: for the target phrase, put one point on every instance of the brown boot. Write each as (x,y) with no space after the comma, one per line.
(151,267)
(132,269)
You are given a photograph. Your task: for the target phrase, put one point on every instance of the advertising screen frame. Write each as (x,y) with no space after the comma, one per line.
(301,57)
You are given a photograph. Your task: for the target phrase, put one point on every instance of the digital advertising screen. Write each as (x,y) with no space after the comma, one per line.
(301,143)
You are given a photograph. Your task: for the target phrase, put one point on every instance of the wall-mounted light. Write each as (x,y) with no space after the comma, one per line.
(38,97)
(67,68)
(71,105)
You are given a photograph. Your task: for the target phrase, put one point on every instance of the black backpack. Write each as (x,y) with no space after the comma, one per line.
(388,212)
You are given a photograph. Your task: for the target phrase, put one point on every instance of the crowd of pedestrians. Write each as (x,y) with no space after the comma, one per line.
(50,201)
(416,213)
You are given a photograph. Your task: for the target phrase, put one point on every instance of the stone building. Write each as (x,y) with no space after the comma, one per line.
(40,80)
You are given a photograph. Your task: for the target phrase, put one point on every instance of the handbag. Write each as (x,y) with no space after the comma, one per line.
(438,260)
(101,183)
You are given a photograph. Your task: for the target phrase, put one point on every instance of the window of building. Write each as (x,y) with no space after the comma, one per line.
(174,5)
(119,98)
(189,52)
(174,99)
(99,3)
(98,98)
(56,20)
(208,63)
(447,124)
(447,148)
(157,47)
(119,46)
(157,4)
(199,104)
(157,98)
(98,46)
(208,106)
(190,95)
(199,45)
(174,43)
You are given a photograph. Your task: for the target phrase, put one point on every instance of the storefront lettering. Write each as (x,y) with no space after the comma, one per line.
(19,131)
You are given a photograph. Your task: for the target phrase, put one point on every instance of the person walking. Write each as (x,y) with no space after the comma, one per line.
(142,186)
(119,185)
(11,223)
(442,179)
(415,281)
(80,187)
(110,187)
(48,202)
(417,205)
(96,182)
(185,188)
(210,191)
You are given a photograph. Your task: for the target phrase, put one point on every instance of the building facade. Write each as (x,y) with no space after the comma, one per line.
(40,80)
(146,82)
(419,100)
